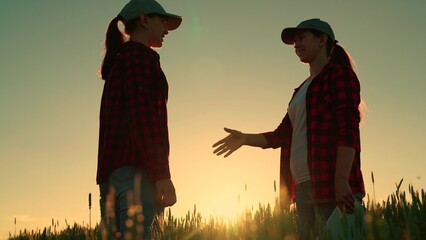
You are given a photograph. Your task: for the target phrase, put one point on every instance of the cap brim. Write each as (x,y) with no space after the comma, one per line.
(288,34)
(173,21)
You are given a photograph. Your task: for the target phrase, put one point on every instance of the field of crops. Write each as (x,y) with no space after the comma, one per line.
(401,216)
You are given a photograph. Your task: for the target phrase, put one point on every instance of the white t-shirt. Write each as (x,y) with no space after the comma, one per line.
(299,143)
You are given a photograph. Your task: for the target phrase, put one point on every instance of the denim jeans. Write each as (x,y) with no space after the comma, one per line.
(128,194)
(307,212)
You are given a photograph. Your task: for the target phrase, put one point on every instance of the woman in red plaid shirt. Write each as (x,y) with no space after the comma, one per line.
(133,159)
(319,136)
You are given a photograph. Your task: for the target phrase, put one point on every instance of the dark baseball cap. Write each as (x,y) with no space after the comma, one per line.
(288,34)
(135,8)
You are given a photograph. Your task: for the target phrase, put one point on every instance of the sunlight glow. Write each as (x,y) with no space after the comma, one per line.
(226,209)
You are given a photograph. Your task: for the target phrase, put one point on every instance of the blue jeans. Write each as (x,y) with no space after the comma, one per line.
(129,195)
(307,212)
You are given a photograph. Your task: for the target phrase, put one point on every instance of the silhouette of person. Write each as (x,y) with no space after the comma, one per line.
(319,136)
(133,158)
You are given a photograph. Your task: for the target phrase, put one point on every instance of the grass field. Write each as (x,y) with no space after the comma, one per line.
(401,216)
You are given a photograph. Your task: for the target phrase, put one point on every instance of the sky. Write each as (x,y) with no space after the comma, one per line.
(226,67)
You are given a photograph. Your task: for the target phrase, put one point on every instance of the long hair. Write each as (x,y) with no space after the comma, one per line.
(335,52)
(339,55)
(114,41)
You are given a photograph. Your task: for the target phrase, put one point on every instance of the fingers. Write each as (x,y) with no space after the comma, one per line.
(167,199)
(219,146)
(231,131)
(219,142)
(347,203)
(224,146)
(229,153)
(222,149)
(229,144)
(228,130)
(166,194)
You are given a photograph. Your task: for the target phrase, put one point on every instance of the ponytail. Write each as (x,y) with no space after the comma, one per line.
(335,52)
(339,55)
(113,42)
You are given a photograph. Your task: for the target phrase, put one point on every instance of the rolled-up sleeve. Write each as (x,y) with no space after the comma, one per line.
(281,136)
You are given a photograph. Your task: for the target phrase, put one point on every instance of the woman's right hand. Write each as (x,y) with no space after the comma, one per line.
(166,193)
(229,144)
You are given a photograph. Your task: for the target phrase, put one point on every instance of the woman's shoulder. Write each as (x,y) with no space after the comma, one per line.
(338,67)
(336,70)
(138,49)
(341,75)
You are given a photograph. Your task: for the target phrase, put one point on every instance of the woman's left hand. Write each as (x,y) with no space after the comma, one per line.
(344,196)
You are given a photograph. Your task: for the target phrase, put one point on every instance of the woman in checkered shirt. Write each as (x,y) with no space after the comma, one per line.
(133,159)
(319,137)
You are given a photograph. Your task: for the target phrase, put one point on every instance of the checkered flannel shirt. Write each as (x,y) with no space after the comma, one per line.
(133,116)
(332,120)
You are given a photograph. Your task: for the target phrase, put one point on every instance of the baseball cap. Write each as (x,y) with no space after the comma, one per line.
(288,34)
(135,8)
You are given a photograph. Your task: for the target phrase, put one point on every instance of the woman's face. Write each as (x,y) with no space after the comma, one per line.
(157,30)
(307,46)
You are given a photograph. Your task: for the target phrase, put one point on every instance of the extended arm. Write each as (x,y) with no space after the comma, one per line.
(236,139)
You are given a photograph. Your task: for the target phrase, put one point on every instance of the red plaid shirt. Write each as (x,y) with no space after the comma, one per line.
(133,117)
(332,120)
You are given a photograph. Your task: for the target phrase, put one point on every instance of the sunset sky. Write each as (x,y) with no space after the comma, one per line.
(226,67)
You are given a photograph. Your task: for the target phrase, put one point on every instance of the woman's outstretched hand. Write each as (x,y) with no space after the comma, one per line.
(229,144)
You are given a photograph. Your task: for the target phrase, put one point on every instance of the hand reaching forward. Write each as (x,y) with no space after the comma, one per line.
(166,194)
(229,144)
